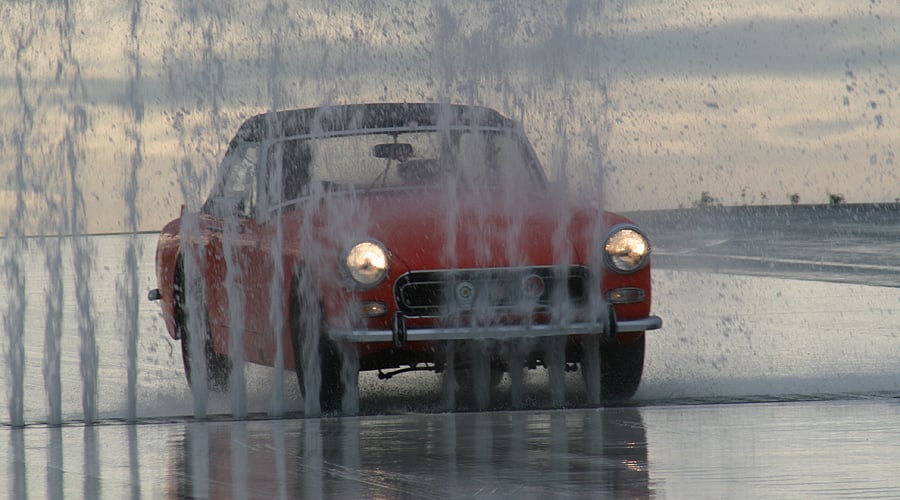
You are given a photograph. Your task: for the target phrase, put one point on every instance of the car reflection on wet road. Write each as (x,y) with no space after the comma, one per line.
(601,453)
(838,448)
(434,456)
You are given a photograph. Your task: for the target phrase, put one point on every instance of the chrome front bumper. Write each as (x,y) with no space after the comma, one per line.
(400,334)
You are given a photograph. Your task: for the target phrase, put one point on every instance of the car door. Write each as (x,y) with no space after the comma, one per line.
(237,262)
(238,282)
(242,245)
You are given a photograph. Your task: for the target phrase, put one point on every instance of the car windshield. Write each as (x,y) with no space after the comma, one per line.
(400,158)
(292,167)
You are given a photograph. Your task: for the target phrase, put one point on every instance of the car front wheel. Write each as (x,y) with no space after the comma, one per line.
(621,368)
(218,366)
(309,324)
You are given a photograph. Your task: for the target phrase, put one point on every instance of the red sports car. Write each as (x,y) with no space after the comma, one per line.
(398,237)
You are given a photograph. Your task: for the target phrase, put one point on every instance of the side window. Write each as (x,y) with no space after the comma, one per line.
(236,191)
(287,170)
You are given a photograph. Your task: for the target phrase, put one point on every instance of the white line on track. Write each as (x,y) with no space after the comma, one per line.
(771,260)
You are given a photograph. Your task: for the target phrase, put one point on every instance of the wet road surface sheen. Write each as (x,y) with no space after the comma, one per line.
(853,243)
(788,449)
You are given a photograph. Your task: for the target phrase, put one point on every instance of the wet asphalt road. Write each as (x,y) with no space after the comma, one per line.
(777,374)
(790,449)
(857,243)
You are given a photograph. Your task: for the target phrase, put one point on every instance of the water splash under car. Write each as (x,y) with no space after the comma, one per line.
(398,237)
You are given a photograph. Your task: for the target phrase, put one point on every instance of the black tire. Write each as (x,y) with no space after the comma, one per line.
(621,368)
(466,379)
(331,393)
(218,366)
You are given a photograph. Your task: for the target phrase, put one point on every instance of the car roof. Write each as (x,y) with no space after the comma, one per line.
(368,116)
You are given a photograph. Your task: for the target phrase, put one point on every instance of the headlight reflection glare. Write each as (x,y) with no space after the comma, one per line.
(367,263)
(627,250)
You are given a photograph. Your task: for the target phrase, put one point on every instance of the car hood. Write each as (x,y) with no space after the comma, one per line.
(436,229)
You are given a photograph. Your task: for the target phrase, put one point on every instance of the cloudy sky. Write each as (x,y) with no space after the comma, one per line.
(116,116)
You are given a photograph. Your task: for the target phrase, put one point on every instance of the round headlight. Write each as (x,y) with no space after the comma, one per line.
(366,263)
(627,250)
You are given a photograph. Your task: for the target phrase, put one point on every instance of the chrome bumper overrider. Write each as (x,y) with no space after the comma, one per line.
(400,334)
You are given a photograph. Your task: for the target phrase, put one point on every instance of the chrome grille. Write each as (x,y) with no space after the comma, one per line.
(496,290)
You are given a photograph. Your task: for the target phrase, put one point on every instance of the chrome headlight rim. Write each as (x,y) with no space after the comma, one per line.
(610,260)
(354,273)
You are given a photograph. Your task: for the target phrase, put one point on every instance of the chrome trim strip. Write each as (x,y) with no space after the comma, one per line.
(452,270)
(497,332)
(391,130)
